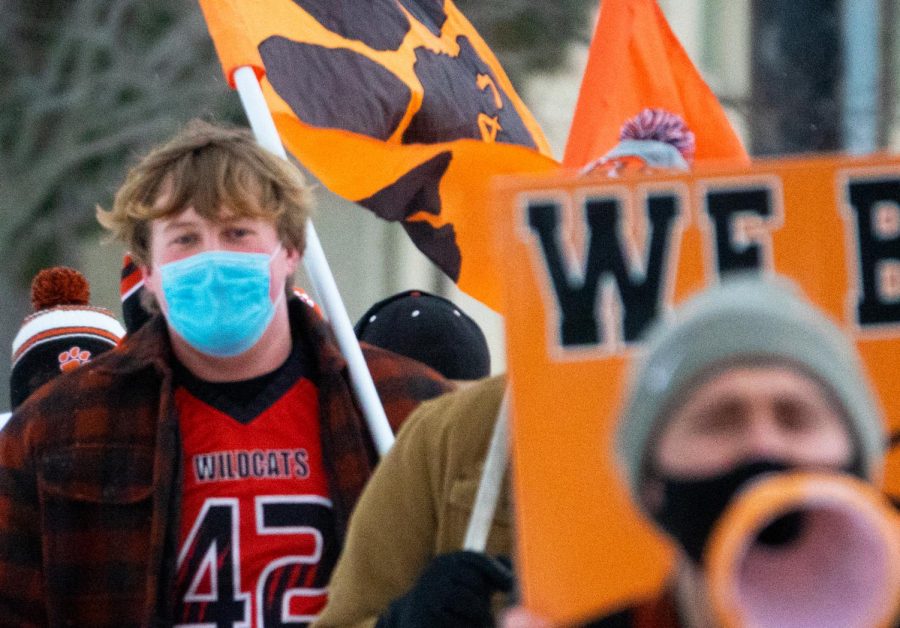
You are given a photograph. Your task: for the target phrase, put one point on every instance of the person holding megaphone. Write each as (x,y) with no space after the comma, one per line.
(751,437)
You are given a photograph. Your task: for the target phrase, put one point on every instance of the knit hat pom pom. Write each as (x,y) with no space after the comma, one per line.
(59,286)
(662,126)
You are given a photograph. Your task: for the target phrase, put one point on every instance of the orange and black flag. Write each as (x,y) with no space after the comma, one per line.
(398,105)
(639,83)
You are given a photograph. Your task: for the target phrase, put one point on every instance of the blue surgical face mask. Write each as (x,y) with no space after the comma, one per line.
(218,301)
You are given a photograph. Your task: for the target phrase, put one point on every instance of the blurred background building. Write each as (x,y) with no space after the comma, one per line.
(86,86)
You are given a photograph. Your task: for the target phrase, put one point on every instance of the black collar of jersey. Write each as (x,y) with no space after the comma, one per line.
(247,399)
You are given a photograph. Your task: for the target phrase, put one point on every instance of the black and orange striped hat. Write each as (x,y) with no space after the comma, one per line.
(130,288)
(63,332)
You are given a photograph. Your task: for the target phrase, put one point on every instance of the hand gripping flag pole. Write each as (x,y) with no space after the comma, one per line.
(319,272)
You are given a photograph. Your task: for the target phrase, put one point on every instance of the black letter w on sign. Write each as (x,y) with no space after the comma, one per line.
(639,290)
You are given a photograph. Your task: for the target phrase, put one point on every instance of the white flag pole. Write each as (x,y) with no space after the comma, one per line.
(319,272)
(495,464)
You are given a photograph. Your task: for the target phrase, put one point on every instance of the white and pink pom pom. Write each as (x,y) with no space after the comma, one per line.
(662,126)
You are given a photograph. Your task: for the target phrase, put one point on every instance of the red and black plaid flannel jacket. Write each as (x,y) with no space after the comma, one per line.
(90,476)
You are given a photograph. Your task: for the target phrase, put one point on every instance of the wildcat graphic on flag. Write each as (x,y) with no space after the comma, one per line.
(398,105)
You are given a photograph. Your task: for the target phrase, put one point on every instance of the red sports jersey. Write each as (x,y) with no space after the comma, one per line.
(257,541)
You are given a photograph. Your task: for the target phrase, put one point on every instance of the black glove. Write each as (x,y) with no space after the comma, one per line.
(454,591)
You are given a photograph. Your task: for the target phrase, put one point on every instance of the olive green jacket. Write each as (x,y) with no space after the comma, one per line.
(417,505)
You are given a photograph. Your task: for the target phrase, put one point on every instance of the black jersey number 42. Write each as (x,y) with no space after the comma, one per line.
(209,564)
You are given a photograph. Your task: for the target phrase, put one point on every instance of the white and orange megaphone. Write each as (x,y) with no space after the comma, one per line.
(806,550)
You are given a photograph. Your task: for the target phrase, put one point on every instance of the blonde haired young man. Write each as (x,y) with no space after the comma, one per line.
(203,472)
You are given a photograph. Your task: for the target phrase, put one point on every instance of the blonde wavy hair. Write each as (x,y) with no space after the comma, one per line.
(218,171)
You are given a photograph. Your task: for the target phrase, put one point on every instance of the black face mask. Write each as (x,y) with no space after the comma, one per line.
(691,507)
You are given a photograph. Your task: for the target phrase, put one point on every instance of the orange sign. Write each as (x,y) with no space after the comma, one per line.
(588,263)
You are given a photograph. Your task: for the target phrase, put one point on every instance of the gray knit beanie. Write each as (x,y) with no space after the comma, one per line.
(744,319)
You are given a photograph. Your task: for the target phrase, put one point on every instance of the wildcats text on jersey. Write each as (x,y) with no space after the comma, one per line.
(273,464)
